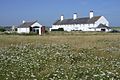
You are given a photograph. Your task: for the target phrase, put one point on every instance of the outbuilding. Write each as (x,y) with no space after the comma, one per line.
(27,27)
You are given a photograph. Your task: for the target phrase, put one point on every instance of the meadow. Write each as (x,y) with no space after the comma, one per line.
(60,56)
(116,28)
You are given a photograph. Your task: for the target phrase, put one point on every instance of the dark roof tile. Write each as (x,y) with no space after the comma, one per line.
(26,24)
(85,20)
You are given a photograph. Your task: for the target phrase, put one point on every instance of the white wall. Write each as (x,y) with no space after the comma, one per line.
(36,24)
(39,25)
(83,27)
(23,30)
(103,21)
(106,30)
(40,32)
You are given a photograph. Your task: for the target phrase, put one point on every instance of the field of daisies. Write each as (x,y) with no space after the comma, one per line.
(25,59)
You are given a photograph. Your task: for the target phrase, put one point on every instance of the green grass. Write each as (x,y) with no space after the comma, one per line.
(116,28)
(60,56)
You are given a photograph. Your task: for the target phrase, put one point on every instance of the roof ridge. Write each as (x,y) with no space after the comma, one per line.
(30,21)
(27,24)
(83,20)
(78,18)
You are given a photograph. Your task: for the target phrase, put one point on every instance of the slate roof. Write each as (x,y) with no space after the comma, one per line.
(26,24)
(85,20)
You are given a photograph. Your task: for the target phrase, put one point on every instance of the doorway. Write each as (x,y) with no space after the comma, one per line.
(103,30)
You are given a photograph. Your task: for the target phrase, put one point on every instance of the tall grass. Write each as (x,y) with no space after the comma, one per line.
(61,56)
(76,40)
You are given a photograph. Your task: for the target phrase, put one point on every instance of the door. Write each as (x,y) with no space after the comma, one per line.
(103,30)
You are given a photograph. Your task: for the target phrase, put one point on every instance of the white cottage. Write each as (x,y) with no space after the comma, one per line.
(91,23)
(27,27)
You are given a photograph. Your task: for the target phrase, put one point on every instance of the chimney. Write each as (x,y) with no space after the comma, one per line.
(23,21)
(75,16)
(91,14)
(62,17)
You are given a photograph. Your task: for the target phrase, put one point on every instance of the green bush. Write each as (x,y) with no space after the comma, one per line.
(2,29)
(59,29)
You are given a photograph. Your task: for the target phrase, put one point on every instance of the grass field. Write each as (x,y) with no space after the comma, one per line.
(116,28)
(60,56)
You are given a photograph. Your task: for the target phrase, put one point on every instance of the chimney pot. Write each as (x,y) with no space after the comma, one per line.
(75,16)
(62,17)
(23,21)
(91,14)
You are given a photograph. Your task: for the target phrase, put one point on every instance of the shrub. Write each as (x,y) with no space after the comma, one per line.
(115,31)
(59,29)
(2,29)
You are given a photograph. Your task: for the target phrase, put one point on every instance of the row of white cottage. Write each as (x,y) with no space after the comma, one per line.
(91,23)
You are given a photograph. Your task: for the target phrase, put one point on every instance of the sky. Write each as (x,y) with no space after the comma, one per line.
(13,12)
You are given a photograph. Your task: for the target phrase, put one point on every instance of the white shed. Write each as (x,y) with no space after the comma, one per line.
(27,27)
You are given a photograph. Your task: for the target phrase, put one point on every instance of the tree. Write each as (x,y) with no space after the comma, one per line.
(2,29)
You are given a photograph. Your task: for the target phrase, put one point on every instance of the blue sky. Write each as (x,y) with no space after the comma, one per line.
(12,12)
